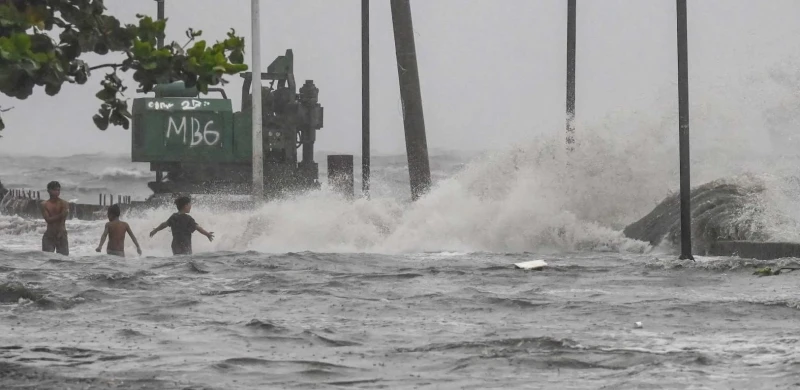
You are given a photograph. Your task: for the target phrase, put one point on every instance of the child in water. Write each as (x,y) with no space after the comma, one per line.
(115,231)
(182,225)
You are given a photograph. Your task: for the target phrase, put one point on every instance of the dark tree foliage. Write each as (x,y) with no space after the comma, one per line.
(42,41)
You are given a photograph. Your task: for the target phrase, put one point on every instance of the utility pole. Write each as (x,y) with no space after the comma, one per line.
(160,44)
(160,16)
(571,29)
(258,145)
(413,119)
(365,121)
(683,131)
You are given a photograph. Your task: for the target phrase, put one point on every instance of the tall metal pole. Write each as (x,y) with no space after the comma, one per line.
(419,170)
(258,146)
(160,44)
(365,147)
(160,16)
(683,131)
(571,27)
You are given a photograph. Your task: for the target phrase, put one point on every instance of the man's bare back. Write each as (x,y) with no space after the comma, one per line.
(116,230)
(116,235)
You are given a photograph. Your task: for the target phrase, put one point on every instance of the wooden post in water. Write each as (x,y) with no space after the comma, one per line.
(571,30)
(683,131)
(365,120)
(419,170)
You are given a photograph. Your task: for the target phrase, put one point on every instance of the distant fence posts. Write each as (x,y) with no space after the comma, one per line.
(102,199)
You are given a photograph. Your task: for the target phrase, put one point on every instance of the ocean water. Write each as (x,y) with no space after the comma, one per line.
(320,292)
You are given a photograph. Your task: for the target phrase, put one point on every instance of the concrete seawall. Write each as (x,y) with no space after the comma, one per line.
(755,250)
(29,208)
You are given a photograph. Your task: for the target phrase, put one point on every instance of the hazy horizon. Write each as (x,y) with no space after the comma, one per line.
(492,73)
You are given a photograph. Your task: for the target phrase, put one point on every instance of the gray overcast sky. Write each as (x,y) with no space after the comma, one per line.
(492,71)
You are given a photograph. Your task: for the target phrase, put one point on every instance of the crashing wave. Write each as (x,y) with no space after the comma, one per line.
(724,209)
(117,173)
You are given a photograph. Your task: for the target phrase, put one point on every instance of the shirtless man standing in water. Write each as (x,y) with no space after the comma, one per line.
(55,211)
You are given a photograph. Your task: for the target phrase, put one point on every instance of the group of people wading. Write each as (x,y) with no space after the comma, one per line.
(56,210)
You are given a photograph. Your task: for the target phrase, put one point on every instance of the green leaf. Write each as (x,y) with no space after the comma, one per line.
(29,67)
(22,42)
(40,57)
(101,48)
(197,49)
(142,49)
(124,110)
(33,55)
(235,68)
(81,77)
(52,89)
(117,118)
(100,121)
(236,56)
(106,94)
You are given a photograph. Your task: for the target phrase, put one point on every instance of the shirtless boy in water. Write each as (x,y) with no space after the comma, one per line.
(55,211)
(115,231)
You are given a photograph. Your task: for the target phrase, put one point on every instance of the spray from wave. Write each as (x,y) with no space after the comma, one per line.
(527,199)
(538,197)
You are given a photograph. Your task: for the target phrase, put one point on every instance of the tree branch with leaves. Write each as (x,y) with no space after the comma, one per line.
(30,56)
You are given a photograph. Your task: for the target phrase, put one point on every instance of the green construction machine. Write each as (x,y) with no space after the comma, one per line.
(199,145)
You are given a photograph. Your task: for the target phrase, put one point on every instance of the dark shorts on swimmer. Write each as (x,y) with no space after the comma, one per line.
(54,242)
(181,248)
(116,253)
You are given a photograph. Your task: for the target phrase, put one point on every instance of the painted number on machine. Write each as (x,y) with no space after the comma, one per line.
(184,105)
(195,132)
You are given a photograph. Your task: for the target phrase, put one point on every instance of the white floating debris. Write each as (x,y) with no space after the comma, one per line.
(533,264)
(637,325)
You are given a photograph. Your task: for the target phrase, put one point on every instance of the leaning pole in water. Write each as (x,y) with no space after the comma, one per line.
(365,149)
(683,132)
(571,27)
(419,170)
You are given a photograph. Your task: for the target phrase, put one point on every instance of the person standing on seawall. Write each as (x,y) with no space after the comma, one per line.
(55,211)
